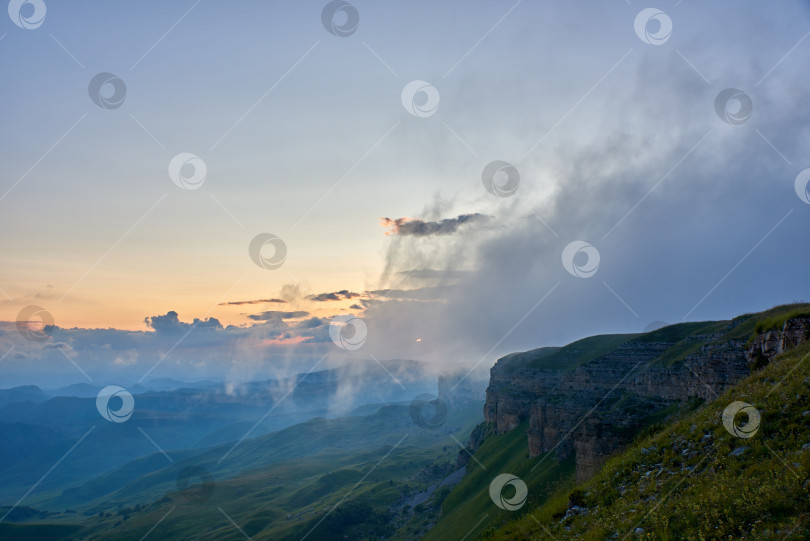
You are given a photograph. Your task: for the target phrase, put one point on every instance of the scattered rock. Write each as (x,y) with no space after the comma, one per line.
(806,447)
(639,531)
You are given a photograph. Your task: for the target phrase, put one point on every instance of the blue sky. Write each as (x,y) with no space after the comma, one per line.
(304,135)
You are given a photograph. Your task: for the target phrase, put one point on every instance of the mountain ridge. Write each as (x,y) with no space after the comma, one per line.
(590,397)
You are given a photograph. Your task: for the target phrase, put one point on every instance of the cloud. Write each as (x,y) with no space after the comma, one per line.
(311,323)
(433,274)
(257,301)
(291,292)
(420,293)
(275,315)
(126,358)
(421,228)
(671,197)
(269,347)
(64,346)
(334,296)
(170,324)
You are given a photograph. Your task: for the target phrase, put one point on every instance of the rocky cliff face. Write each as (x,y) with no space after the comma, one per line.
(596,408)
(770,344)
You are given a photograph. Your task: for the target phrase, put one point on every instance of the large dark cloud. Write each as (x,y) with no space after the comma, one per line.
(422,228)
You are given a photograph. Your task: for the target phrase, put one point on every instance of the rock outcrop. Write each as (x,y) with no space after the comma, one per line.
(767,345)
(596,408)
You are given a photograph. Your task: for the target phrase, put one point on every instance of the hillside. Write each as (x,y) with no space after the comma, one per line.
(592,396)
(373,475)
(563,422)
(693,479)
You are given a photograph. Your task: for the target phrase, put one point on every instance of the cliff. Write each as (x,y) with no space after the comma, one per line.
(592,397)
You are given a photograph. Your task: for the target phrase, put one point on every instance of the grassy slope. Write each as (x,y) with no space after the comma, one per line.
(743,327)
(469,508)
(568,357)
(285,499)
(687,338)
(40,532)
(682,482)
(146,479)
(261,501)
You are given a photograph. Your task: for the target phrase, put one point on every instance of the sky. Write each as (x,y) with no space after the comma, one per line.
(468,178)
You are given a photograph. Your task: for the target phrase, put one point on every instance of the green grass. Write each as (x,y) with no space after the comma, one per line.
(750,324)
(672,334)
(682,483)
(469,509)
(349,472)
(38,532)
(691,342)
(686,339)
(569,357)
(777,321)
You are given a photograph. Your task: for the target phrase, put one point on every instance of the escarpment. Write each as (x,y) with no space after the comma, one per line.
(592,397)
